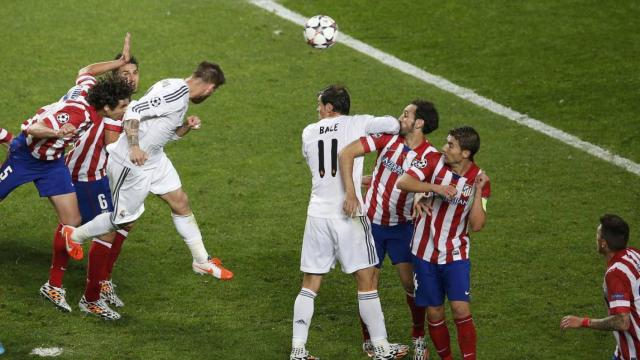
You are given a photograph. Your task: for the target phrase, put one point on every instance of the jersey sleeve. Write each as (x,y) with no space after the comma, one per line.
(375,142)
(619,294)
(384,124)
(486,190)
(424,168)
(112,125)
(86,79)
(69,114)
(5,136)
(159,103)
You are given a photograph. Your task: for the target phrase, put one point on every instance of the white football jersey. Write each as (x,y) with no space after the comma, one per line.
(321,143)
(160,111)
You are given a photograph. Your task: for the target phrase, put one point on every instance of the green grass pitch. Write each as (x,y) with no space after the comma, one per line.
(570,64)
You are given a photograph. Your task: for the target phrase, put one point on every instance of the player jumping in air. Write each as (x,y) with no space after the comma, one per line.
(138,165)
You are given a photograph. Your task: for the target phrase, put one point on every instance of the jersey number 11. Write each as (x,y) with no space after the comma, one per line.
(334,157)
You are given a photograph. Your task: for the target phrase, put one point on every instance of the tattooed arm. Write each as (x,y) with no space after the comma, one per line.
(618,322)
(136,155)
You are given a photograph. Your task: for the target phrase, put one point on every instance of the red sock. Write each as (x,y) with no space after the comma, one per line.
(59,260)
(467,337)
(417,315)
(441,340)
(365,331)
(121,236)
(96,269)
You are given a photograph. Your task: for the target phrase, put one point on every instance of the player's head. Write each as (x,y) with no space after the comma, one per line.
(462,144)
(207,78)
(110,96)
(419,115)
(129,71)
(612,234)
(333,100)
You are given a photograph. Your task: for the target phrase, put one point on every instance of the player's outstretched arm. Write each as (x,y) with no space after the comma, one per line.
(411,184)
(103,67)
(618,322)
(351,204)
(478,214)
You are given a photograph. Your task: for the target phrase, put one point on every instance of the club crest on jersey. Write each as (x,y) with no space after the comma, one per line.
(62,118)
(466,190)
(156,101)
(420,164)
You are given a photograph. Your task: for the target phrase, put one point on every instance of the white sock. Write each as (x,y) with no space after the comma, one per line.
(188,228)
(99,226)
(302,314)
(371,314)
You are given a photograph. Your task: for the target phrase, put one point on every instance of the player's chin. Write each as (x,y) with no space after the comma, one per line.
(199,99)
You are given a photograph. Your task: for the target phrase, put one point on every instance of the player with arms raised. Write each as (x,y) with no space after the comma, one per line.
(138,165)
(440,243)
(389,208)
(330,235)
(621,284)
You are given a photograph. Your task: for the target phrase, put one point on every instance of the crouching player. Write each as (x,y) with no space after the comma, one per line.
(440,243)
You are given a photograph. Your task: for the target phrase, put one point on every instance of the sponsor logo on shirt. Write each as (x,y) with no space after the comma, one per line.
(391,166)
(617,296)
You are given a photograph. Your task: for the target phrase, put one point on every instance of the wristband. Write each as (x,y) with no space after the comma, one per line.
(586,322)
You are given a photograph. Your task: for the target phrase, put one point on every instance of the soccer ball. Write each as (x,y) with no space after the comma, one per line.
(320,31)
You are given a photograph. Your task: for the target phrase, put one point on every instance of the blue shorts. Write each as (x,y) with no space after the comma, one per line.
(394,240)
(435,281)
(94,198)
(50,177)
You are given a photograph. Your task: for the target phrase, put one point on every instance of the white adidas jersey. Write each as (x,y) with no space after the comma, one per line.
(321,143)
(160,111)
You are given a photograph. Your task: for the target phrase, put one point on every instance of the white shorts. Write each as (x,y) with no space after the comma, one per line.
(347,240)
(131,185)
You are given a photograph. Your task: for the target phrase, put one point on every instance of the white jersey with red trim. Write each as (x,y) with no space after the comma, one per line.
(622,294)
(72,108)
(385,204)
(321,143)
(161,112)
(5,136)
(87,161)
(442,237)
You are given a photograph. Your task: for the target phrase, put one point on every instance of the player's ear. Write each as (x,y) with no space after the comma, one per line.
(466,154)
(329,107)
(419,124)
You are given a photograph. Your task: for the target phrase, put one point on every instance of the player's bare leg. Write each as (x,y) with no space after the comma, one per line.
(302,315)
(371,314)
(467,338)
(187,227)
(66,207)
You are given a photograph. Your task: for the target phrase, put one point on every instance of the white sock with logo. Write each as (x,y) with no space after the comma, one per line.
(302,314)
(188,228)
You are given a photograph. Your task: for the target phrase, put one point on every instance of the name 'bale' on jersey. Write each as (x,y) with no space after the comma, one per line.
(321,143)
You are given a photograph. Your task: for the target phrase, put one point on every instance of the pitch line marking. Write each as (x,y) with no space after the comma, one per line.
(461,92)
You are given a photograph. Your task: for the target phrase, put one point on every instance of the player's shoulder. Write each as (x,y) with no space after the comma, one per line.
(169,87)
(86,79)
(309,130)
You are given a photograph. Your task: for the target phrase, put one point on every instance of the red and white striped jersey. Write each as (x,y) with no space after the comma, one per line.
(442,237)
(622,295)
(385,204)
(87,161)
(5,136)
(72,108)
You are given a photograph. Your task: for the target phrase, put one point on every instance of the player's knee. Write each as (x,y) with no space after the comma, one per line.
(460,309)
(180,204)
(435,313)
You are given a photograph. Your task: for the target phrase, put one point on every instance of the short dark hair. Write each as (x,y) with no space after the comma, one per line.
(210,72)
(428,113)
(338,96)
(468,138)
(109,90)
(615,231)
(132,60)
